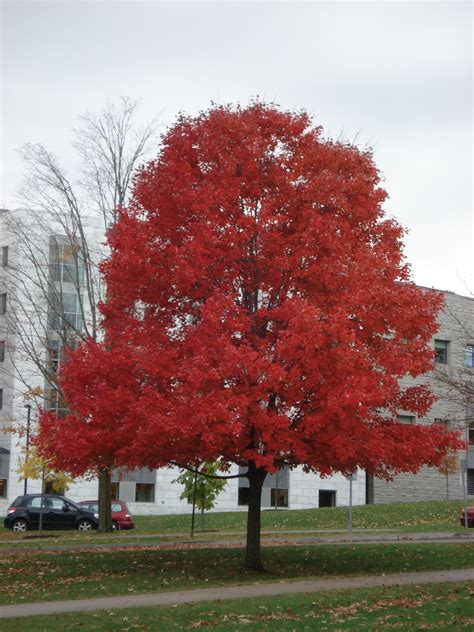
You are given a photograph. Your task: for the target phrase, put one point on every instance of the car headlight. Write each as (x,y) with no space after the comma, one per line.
(96,516)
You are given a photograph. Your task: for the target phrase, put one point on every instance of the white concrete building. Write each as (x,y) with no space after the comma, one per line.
(42,288)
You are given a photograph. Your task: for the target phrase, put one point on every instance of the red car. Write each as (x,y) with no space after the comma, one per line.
(121,517)
(470,517)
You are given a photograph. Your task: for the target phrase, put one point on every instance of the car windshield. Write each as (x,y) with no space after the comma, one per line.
(71,503)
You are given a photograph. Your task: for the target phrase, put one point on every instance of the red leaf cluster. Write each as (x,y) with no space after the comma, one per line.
(259,309)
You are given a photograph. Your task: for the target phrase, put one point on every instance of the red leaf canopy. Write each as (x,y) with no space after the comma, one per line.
(259,307)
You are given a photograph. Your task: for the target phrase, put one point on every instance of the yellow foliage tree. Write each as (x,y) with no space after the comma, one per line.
(449,465)
(34,467)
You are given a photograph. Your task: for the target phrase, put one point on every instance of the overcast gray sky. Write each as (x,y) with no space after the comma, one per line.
(394,75)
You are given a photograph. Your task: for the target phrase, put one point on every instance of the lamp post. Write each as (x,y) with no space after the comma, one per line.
(194,503)
(28,422)
(350,503)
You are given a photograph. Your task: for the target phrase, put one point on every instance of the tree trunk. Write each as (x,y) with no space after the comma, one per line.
(253,559)
(105,501)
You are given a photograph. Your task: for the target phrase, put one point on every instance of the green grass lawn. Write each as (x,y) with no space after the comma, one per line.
(432,515)
(429,607)
(66,575)
(398,517)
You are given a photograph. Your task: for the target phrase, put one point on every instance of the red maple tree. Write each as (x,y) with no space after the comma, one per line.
(259,311)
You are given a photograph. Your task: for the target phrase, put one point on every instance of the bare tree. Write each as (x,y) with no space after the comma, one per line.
(53,280)
(455,383)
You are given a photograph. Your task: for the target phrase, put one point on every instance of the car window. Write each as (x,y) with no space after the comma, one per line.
(57,503)
(36,502)
(90,507)
(116,507)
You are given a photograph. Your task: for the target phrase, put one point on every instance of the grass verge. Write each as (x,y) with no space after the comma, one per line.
(429,607)
(56,576)
(398,517)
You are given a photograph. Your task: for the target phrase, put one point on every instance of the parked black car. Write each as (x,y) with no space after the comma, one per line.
(58,513)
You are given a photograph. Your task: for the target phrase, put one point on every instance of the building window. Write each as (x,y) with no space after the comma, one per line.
(114,491)
(470,434)
(470,482)
(327,498)
(56,403)
(406,419)
(278,497)
(441,351)
(470,356)
(243,498)
(3,487)
(51,487)
(2,350)
(3,304)
(145,493)
(55,355)
(67,265)
(4,256)
(65,311)
(1,398)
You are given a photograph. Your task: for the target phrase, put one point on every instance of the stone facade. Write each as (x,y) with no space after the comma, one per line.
(456,328)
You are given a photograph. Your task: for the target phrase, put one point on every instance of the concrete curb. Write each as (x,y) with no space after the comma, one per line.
(400,538)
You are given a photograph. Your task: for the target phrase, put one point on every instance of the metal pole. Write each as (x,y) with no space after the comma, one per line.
(28,419)
(466,465)
(40,526)
(464,490)
(194,504)
(350,504)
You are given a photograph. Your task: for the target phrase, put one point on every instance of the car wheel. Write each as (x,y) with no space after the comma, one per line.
(20,526)
(115,526)
(85,525)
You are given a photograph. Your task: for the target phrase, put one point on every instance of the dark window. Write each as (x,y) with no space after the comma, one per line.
(4,256)
(441,351)
(2,350)
(114,491)
(144,493)
(470,437)
(279,497)
(49,489)
(327,498)
(3,488)
(406,419)
(1,398)
(243,496)
(470,356)
(470,482)
(3,304)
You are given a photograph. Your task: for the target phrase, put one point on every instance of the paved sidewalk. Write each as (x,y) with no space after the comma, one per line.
(232,592)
